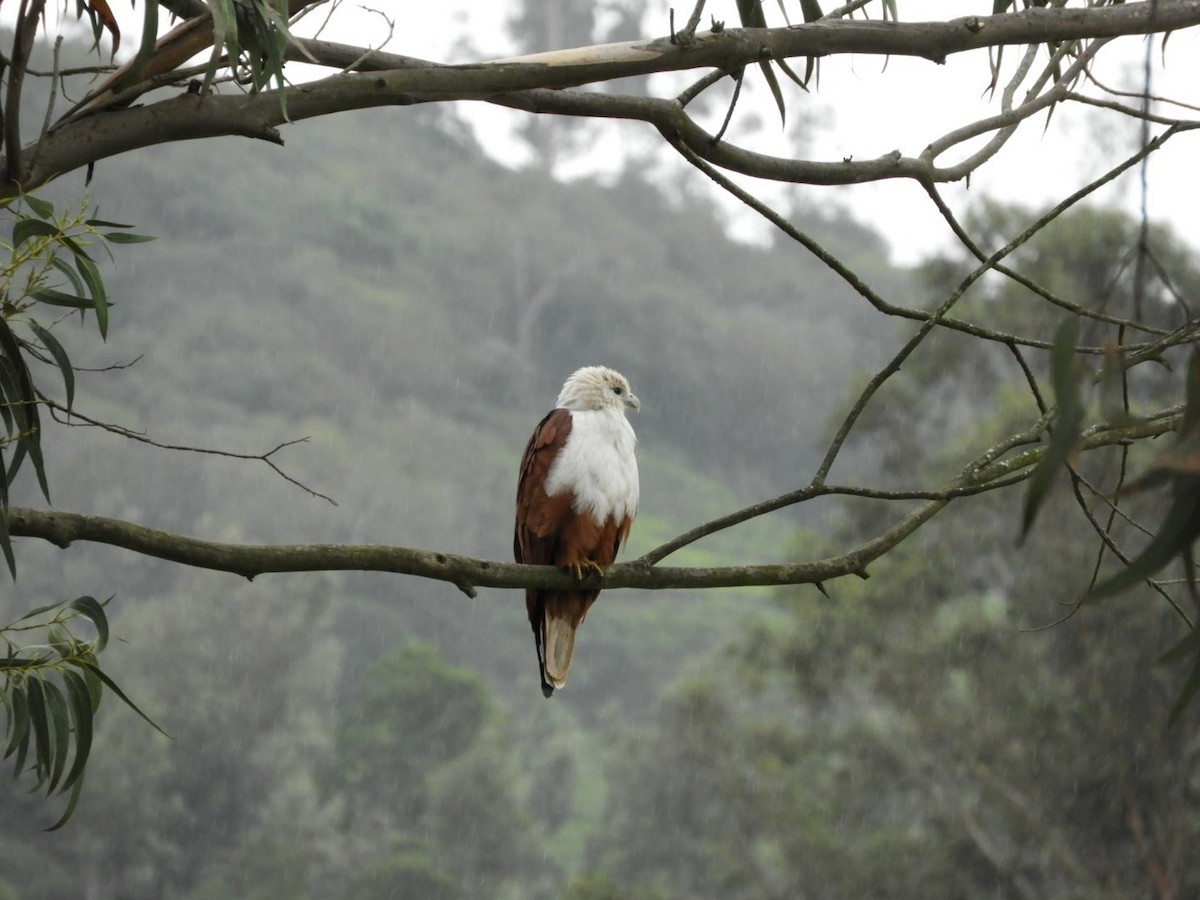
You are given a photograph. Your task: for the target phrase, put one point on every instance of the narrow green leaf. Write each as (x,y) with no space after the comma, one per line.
(95,285)
(72,802)
(59,298)
(81,718)
(16,419)
(112,686)
(118,237)
(89,608)
(26,407)
(1068,423)
(60,731)
(24,732)
(773,84)
(94,685)
(41,729)
(103,223)
(55,349)
(751,15)
(28,228)
(149,36)
(1176,532)
(60,640)
(5,416)
(19,723)
(39,207)
(74,246)
(14,465)
(34,613)
(76,282)
(787,70)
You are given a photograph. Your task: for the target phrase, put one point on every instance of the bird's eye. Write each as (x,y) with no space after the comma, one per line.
(618,391)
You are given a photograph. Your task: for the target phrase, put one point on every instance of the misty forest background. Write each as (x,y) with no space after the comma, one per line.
(383,288)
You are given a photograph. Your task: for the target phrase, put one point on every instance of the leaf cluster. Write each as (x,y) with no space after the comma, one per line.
(49,268)
(51,689)
(51,693)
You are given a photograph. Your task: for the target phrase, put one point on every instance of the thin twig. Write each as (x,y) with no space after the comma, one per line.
(738,77)
(67,417)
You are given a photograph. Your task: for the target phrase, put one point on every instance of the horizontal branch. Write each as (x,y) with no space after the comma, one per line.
(404,81)
(250,560)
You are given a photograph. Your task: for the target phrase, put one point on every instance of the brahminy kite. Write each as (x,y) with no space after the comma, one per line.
(577,494)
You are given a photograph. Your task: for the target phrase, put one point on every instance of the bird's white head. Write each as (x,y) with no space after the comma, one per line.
(597,387)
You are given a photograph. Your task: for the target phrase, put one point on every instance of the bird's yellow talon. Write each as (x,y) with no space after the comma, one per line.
(583,569)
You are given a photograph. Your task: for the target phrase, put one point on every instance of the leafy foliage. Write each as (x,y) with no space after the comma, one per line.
(52,689)
(49,266)
(51,693)
(1064,437)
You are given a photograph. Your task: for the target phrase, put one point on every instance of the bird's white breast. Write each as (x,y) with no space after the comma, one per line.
(597,465)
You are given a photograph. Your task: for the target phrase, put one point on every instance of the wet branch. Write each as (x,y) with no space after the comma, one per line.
(541,83)
(987,472)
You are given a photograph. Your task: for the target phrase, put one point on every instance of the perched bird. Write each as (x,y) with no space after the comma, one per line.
(577,494)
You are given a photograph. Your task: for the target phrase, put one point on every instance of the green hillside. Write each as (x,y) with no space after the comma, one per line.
(411,307)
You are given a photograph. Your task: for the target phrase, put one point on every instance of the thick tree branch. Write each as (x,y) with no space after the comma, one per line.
(249,560)
(536,83)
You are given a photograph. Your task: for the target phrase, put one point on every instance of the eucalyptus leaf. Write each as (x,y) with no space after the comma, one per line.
(18,723)
(1066,379)
(72,802)
(22,734)
(1179,528)
(25,229)
(41,729)
(6,541)
(60,732)
(27,406)
(95,285)
(120,237)
(41,208)
(56,297)
(34,613)
(112,686)
(81,717)
(89,608)
(76,282)
(55,349)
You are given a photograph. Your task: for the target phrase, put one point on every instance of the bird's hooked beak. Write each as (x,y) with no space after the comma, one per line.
(631,400)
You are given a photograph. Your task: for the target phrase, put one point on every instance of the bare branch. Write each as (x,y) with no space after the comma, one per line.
(73,418)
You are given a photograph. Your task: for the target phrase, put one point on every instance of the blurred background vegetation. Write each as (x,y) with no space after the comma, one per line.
(412,307)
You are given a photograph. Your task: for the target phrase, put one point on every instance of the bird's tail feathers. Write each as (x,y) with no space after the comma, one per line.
(557,648)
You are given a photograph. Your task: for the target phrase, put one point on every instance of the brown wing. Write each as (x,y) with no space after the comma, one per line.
(539,517)
(537,533)
(549,532)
